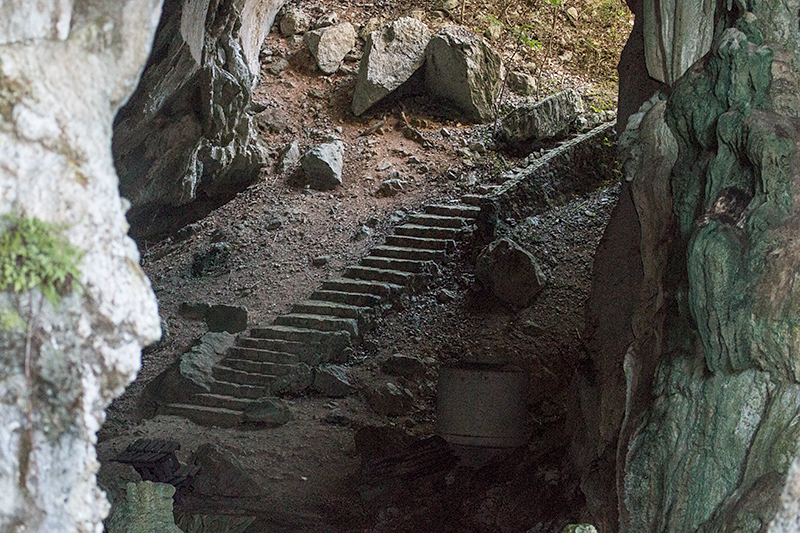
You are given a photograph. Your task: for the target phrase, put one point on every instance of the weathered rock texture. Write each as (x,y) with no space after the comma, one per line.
(547,118)
(710,420)
(330,44)
(676,34)
(147,507)
(462,68)
(510,272)
(183,142)
(60,84)
(391,56)
(322,165)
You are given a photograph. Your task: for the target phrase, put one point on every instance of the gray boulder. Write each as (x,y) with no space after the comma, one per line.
(294,21)
(186,132)
(322,166)
(462,68)
(332,381)
(330,45)
(390,399)
(521,83)
(289,157)
(222,474)
(267,412)
(511,273)
(544,119)
(391,56)
(295,382)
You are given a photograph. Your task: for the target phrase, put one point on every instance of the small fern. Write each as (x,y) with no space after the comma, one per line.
(36,254)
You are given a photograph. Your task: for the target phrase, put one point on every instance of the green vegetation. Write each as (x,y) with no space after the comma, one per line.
(35,254)
(546,39)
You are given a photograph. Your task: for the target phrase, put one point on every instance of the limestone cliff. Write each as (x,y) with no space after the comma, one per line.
(710,419)
(65,68)
(183,142)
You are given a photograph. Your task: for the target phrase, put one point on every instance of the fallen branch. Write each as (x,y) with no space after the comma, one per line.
(411,132)
(373,129)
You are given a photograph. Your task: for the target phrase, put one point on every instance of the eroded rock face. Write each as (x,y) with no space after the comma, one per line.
(183,141)
(712,405)
(60,85)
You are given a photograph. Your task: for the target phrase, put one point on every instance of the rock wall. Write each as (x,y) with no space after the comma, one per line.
(183,143)
(65,68)
(710,417)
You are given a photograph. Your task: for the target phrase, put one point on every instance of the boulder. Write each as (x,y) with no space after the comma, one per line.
(267,412)
(390,399)
(289,157)
(521,83)
(294,21)
(222,474)
(322,166)
(147,507)
(332,381)
(295,382)
(186,133)
(463,69)
(391,187)
(511,273)
(330,45)
(65,69)
(551,117)
(391,56)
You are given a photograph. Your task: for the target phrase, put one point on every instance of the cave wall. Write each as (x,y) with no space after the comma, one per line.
(66,66)
(708,415)
(183,143)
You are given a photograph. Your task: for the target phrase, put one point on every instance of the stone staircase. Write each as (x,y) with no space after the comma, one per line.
(325,327)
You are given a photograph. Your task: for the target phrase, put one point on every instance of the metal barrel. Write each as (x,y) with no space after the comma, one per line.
(482,405)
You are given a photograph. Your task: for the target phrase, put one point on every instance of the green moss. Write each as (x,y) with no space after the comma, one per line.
(35,254)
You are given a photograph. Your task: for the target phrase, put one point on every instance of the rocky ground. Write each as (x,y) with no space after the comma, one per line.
(307,473)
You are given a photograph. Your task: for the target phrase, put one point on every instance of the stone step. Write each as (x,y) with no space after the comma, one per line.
(204,416)
(427,232)
(318,322)
(411,254)
(357,285)
(359,299)
(458,210)
(237,390)
(487,189)
(378,274)
(473,199)
(206,399)
(290,333)
(404,241)
(438,221)
(239,377)
(324,307)
(404,265)
(257,367)
(268,350)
